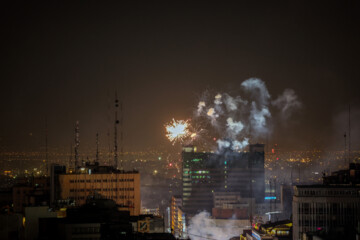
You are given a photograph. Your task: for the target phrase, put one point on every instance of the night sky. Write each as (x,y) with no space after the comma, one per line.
(64,62)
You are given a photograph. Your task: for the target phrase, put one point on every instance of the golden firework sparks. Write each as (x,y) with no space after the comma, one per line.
(177,130)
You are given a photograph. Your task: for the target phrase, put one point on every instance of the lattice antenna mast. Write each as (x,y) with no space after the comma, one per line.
(121,135)
(70,157)
(46,149)
(345,149)
(108,129)
(349,136)
(77,144)
(97,147)
(115,132)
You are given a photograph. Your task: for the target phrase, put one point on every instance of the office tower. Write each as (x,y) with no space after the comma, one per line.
(205,173)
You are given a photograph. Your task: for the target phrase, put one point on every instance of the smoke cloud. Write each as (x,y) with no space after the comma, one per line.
(258,119)
(201,105)
(218,99)
(211,113)
(201,227)
(232,103)
(258,89)
(234,128)
(287,103)
(236,119)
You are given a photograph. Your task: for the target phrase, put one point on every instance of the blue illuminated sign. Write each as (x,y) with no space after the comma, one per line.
(270,198)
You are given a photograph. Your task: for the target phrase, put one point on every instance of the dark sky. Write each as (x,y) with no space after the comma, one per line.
(63,62)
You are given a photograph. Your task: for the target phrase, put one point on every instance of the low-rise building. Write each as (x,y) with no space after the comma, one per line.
(121,186)
(332,207)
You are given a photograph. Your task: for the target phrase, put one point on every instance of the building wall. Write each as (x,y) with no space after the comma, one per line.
(32,215)
(205,173)
(176,215)
(20,197)
(11,226)
(82,231)
(123,188)
(32,191)
(324,207)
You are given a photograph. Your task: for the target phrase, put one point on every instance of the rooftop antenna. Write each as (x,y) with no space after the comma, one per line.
(349,137)
(345,149)
(77,144)
(121,135)
(70,157)
(108,130)
(46,149)
(115,132)
(97,147)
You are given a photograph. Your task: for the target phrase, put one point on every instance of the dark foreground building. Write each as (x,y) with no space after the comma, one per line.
(99,219)
(205,173)
(330,210)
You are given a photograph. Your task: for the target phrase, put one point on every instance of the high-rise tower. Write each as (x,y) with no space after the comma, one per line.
(206,173)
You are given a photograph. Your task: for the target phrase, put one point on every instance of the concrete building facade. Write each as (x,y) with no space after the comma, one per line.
(321,207)
(330,209)
(120,186)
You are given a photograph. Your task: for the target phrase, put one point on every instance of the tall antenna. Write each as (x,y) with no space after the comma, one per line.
(345,149)
(70,157)
(108,130)
(77,144)
(121,135)
(349,136)
(46,149)
(115,132)
(97,147)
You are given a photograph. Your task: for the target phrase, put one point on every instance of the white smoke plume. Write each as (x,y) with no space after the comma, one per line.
(217,100)
(237,146)
(287,102)
(211,113)
(201,105)
(234,128)
(258,119)
(258,88)
(202,227)
(236,120)
(223,144)
(231,103)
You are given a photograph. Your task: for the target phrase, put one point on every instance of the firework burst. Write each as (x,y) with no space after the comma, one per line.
(177,130)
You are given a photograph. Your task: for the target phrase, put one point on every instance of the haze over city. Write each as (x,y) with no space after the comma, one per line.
(187,119)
